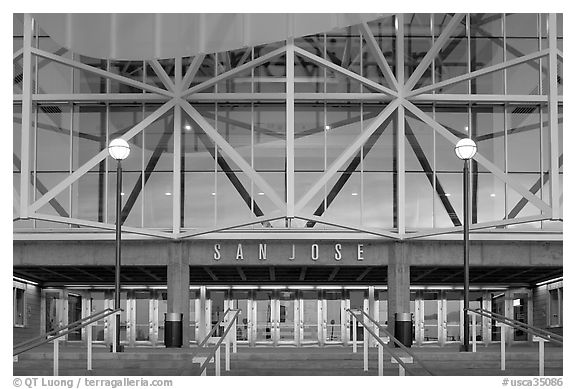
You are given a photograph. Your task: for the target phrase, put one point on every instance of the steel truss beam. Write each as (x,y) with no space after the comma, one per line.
(378,55)
(434,50)
(480,72)
(102,73)
(232,153)
(231,73)
(100,156)
(476,226)
(162,75)
(479,158)
(347,154)
(257,220)
(103,226)
(323,220)
(324,63)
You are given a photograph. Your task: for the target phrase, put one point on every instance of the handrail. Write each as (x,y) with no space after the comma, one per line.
(222,337)
(57,330)
(394,339)
(214,328)
(61,334)
(552,337)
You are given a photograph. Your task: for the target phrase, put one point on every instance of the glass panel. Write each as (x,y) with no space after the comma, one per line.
(333,317)
(123,318)
(418,201)
(523,138)
(240,301)
(74,314)
(193,319)
(269,137)
(143,320)
(309,315)
(234,198)
(346,205)
(18,306)
(522,79)
(53,320)
(382,308)
(554,305)
(430,316)
(378,192)
(217,310)
(520,306)
(263,300)
(162,310)
(53,138)
(53,77)
(453,316)
(497,307)
(521,25)
(450,62)
(488,132)
(97,305)
(88,82)
(286,312)
(476,303)
(200,196)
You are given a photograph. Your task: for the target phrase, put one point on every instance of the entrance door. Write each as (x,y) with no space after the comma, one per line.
(333,315)
(264,308)
(241,300)
(285,314)
(309,323)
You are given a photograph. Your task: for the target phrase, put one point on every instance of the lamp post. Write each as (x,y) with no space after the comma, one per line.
(465,150)
(119,150)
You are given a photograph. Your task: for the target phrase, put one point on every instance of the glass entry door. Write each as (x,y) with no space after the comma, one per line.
(285,314)
(264,308)
(309,302)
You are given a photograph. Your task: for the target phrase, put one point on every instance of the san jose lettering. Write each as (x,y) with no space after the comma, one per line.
(312,254)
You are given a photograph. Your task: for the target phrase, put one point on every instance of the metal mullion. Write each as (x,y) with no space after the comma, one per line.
(541,108)
(468,52)
(504,54)
(142,168)
(433,61)
(325,70)
(362,148)
(434,167)
(553,115)
(400,146)
(106,166)
(71,151)
(27,109)
(290,128)
(252,133)
(216,150)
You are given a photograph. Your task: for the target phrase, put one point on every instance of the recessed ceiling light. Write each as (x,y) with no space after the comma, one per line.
(168,194)
(354,194)
(447,194)
(213,194)
(327,127)
(261,193)
(492,194)
(187,127)
(121,193)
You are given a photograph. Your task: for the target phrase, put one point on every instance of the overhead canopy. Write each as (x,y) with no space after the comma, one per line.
(146,36)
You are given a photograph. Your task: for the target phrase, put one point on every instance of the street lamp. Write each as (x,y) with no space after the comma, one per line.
(465,150)
(119,150)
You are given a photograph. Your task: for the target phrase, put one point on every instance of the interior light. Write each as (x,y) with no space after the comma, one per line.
(121,193)
(447,194)
(327,127)
(24,280)
(168,194)
(260,193)
(187,127)
(516,302)
(549,281)
(492,194)
(354,194)
(213,194)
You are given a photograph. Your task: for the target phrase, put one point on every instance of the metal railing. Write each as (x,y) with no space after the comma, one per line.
(55,335)
(214,352)
(383,345)
(540,335)
(535,331)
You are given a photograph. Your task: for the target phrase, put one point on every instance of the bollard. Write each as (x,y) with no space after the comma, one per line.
(473,333)
(354,346)
(541,342)
(56,345)
(89,345)
(401,370)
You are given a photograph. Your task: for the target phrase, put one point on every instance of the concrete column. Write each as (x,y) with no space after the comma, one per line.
(178,271)
(398,283)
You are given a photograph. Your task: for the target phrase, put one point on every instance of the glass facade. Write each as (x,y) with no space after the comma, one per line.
(505,111)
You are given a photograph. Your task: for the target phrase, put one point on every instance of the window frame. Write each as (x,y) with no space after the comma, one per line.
(559,288)
(15,289)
